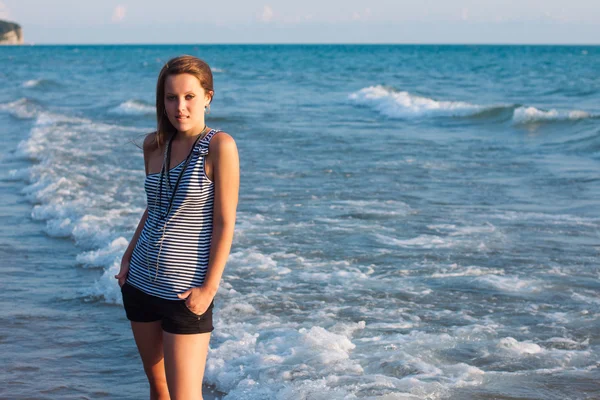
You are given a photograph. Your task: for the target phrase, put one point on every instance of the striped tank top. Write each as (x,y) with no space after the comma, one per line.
(184,244)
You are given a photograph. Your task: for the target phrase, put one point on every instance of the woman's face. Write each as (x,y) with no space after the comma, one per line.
(185,100)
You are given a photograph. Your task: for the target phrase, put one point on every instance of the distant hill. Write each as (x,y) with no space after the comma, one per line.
(10,33)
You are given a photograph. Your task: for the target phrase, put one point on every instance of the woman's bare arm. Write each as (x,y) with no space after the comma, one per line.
(149,144)
(136,235)
(226,178)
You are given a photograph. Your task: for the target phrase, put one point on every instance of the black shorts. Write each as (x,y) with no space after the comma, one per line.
(174,315)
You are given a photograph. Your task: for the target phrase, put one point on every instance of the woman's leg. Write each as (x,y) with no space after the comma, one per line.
(149,340)
(185,359)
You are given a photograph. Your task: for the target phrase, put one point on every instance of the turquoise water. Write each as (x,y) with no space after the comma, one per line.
(415,222)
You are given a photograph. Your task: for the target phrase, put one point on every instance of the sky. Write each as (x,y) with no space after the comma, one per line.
(306,21)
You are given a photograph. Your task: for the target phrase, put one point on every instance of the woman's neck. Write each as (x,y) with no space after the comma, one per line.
(190,135)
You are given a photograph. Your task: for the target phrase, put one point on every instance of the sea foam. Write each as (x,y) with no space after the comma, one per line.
(39,84)
(393,103)
(525,115)
(133,107)
(22,108)
(402,104)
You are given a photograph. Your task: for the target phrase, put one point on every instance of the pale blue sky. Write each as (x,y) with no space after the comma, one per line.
(306,21)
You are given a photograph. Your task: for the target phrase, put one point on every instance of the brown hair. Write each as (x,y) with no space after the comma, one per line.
(179,65)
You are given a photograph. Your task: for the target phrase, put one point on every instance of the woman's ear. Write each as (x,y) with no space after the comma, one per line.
(209,96)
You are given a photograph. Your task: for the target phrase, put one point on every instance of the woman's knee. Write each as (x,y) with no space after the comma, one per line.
(157,380)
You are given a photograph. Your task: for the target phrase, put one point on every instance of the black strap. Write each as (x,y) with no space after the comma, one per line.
(164,171)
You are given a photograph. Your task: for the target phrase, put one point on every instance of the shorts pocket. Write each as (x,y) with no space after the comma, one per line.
(190,312)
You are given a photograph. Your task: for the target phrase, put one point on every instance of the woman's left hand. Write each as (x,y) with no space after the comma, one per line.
(197,299)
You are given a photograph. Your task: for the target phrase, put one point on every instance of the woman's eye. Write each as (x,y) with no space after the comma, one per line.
(188,97)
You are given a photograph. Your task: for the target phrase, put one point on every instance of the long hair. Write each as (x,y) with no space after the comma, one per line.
(179,65)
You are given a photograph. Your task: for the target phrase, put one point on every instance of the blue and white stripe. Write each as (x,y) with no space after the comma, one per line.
(185,249)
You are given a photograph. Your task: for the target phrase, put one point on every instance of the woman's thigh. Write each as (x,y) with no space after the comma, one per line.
(149,340)
(185,360)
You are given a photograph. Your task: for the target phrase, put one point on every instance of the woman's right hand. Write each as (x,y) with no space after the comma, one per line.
(122,275)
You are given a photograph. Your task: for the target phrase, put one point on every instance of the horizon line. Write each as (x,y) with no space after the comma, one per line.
(574,44)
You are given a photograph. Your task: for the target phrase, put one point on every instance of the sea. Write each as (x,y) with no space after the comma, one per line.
(414,222)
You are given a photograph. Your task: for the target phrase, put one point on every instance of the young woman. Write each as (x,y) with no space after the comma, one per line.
(172,268)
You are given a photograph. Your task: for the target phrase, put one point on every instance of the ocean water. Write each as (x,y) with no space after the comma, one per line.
(415,222)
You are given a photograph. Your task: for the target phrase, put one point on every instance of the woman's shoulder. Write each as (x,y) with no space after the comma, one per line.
(149,147)
(222,144)
(221,139)
(150,142)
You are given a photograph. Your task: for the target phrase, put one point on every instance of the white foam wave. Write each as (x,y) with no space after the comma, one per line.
(457,271)
(555,351)
(395,104)
(421,241)
(106,287)
(527,115)
(546,218)
(557,271)
(35,83)
(510,283)
(103,256)
(260,355)
(383,208)
(454,230)
(284,351)
(262,347)
(480,331)
(17,175)
(392,326)
(593,299)
(133,107)
(31,83)
(515,347)
(22,108)
(74,192)
(405,105)
(479,238)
